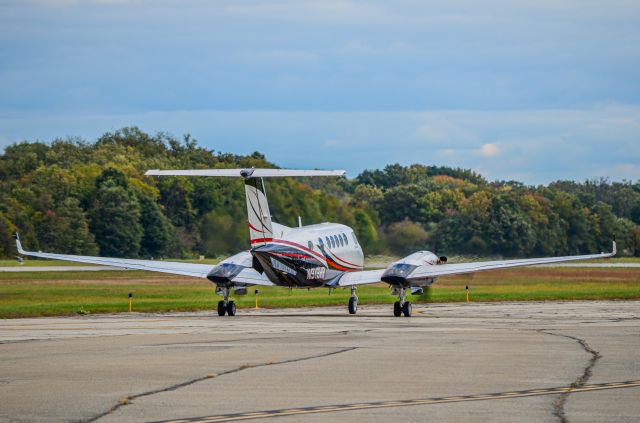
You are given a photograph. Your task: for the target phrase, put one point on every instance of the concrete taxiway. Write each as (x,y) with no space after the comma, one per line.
(552,361)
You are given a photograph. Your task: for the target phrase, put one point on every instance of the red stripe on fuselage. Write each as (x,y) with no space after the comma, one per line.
(293,255)
(328,260)
(255,229)
(344,261)
(302,247)
(338,267)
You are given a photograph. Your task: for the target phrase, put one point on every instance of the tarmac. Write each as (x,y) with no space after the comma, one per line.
(498,362)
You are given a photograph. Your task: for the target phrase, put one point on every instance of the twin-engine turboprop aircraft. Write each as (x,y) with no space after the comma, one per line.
(323,255)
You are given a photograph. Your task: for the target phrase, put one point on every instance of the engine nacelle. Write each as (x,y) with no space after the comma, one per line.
(399,272)
(229,268)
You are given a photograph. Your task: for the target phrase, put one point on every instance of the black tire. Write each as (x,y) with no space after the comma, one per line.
(397,310)
(231,308)
(221,308)
(406,309)
(353,305)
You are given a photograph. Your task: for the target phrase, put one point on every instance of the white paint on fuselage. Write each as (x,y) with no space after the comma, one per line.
(348,254)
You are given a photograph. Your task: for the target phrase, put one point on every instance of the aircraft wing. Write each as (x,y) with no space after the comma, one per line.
(362,277)
(248,275)
(423,272)
(251,276)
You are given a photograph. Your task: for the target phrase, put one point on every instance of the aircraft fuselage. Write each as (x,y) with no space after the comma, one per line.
(308,256)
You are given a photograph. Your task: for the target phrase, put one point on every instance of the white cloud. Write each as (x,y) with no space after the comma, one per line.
(489,150)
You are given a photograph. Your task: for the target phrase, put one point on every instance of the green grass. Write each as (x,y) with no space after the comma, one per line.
(68,293)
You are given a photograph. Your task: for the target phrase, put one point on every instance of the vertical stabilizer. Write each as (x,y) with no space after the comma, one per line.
(260,226)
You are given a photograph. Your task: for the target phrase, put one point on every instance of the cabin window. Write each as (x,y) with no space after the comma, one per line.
(341,240)
(346,240)
(310,244)
(355,240)
(335,241)
(328,242)
(320,242)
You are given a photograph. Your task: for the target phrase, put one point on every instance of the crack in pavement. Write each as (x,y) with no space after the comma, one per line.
(559,403)
(270,338)
(126,401)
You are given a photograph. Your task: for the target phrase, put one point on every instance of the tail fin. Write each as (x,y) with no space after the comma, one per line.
(260,225)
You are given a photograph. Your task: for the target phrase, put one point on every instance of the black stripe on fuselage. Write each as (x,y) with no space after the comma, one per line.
(292,267)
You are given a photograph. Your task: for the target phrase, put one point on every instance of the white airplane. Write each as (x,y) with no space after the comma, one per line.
(325,255)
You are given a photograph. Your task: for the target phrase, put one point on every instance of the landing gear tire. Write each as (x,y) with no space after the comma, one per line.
(406,309)
(353,305)
(221,308)
(397,310)
(231,308)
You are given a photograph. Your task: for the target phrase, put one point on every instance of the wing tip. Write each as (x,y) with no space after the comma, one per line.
(19,244)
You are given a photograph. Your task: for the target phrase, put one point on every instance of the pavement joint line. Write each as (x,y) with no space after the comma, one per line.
(401,403)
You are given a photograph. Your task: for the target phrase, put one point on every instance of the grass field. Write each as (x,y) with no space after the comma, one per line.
(68,293)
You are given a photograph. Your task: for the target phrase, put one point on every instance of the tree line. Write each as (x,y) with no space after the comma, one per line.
(79,197)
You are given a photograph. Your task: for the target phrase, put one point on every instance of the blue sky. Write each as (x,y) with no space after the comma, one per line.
(528,90)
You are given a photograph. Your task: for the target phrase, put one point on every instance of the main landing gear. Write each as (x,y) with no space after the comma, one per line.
(353,301)
(402,307)
(226,306)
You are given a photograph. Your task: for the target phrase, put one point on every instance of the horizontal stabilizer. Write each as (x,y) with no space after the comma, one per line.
(245,173)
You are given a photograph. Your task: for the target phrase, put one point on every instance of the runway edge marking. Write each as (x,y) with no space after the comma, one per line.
(403,403)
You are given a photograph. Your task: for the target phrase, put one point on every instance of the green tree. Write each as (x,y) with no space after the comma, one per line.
(158,236)
(366,232)
(65,230)
(7,244)
(115,219)
(405,237)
